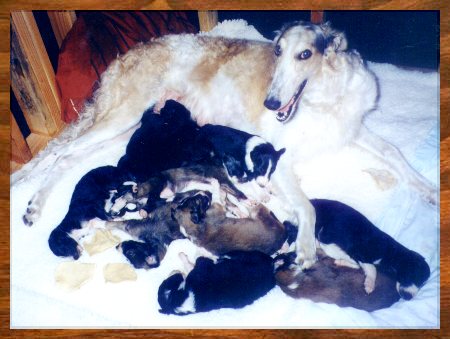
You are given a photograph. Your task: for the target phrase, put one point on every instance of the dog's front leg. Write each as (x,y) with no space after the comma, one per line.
(394,159)
(287,187)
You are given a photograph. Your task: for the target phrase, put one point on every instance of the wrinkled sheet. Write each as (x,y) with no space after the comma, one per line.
(407,115)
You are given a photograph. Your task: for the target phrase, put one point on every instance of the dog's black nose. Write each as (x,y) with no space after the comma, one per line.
(272,104)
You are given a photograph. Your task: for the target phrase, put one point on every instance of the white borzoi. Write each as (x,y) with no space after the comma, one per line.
(317,94)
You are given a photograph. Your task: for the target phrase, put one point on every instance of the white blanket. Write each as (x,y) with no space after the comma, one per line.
(407,116)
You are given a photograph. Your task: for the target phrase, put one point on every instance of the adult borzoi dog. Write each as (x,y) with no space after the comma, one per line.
(315,92)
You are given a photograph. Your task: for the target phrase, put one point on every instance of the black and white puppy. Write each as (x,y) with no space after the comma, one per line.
(245,156)
(349,237)
(236,280)
(91,199)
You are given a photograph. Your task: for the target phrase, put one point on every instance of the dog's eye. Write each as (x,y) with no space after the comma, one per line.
(306,54)
(277,50)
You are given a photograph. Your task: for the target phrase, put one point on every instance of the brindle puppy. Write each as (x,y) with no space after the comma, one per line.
(155,233)
(326,282)
(208,226)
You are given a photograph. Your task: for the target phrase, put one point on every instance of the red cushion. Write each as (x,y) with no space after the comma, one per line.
(96,39)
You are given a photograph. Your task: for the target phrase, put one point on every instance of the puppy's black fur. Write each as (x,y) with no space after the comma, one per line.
(87,202)
(166,140)
(234,281)
(231,146)
(337,223)
(140,254)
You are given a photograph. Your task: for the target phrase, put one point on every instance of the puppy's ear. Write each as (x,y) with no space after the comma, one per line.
(335,41)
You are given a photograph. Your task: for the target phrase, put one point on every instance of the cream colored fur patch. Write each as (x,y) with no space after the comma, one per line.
(118,272)
(72,275)
(384,179)
(102,240)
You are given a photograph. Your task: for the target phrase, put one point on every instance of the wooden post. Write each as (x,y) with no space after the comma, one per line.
(207,20)
(20,152)
(62,22)
(32,77)
(317,17)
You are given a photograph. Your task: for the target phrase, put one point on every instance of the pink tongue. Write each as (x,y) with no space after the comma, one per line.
(287,106)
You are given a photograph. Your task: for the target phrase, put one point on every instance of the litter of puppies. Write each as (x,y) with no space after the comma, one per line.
(198,189)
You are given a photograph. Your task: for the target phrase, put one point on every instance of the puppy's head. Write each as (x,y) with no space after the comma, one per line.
(195,202)
(171,293)
(412,275)
(262,161)
(140,255)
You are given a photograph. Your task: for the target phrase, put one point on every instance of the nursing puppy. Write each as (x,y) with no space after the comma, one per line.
(91,199)
(154,234)
(349,237)
(208,226)
(165,140)
(245,156)
(235,280)
(328,283)
(152,193)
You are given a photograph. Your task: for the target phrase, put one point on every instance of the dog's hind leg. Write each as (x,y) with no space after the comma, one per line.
(37,201)
(286,186)
(395,160)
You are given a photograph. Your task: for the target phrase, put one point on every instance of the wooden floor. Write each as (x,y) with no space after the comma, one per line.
(8,5)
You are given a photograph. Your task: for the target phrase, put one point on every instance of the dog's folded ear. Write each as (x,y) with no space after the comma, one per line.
(335,41)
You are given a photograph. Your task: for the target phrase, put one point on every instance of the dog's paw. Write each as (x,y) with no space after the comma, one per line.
(306,253)
(32,213)
(62,245)
(305,261)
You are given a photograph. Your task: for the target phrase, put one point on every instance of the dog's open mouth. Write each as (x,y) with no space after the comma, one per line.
(285,112)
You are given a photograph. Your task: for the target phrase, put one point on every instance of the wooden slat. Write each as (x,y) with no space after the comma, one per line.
(37,142)
(317,17)
(20,152)
(62,22)
(207,20)
(32,76)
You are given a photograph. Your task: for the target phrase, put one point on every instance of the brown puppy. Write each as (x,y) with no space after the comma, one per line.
(326,282)
(208,226)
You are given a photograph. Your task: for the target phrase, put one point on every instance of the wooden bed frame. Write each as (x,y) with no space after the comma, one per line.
(33,79)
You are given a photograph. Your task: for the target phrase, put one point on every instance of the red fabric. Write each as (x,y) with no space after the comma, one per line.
(96,39)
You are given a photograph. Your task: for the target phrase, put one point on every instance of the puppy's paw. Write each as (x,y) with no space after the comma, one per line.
(369,284)
(346,263)
(143,213)
(62,245)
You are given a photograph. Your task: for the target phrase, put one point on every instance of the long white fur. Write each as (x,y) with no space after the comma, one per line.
(225,81)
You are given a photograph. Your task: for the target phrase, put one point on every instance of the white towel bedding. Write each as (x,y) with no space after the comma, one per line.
(407,116)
